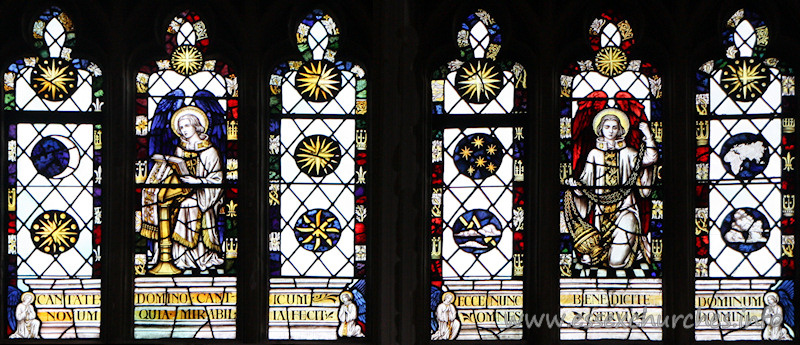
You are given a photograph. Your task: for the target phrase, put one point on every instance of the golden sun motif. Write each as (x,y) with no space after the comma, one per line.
(319,229)
(54,80)
(186,60)
(480,83)
(478,142)
(611,61)
(318,81)
(465,152)
(743,82)
(318,155)
(54,232)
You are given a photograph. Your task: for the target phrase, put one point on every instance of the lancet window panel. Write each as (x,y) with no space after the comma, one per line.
(477,192)
(54,212)
(186,177)
(612,209)
(317,177)
(744,215)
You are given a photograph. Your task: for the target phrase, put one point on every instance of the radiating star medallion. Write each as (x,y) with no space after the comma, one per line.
(745,79)
(318,155)
(54,232)
(186,60)
(318,230)
(54,79)
(479,82)
(319,81)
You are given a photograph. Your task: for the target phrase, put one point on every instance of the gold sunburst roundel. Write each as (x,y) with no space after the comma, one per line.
(54,79)
(318,81)
(611,61)
(745,79)
(479,82)
(186,60)
(318,155)
(54,232)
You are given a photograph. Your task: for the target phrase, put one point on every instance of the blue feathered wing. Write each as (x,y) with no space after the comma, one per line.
(14,295)
(786,294)
(162,140)
(209,104)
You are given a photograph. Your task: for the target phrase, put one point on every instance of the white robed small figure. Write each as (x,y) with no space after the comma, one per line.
(773,318)
(447,317)
(27,324)
(348,313)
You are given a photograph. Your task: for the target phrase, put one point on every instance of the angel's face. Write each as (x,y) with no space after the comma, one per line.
(186,128)
(610,129)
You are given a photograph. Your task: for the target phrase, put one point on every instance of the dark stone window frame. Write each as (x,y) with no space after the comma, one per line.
(399,42)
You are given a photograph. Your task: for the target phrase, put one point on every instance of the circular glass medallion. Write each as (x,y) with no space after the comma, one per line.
(477,231)
(186,60)
(745,230)
(54,79)
(611,61)
(478,155)
(318,155)
(318,230)
(479,81)
(54,232)
(745,155)
(50,157)
(745,79)
(318,81)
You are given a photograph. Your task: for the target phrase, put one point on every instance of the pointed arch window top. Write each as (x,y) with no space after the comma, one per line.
(609,30)
(187,29)
(479,36)
(318,36)
(53,80)
(54,33)
(746,35)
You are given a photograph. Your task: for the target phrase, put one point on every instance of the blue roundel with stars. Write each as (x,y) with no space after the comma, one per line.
(478,155)
(318,230)
(477,231)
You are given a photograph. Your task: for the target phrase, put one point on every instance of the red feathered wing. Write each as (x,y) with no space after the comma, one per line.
(635,111)
(582,132)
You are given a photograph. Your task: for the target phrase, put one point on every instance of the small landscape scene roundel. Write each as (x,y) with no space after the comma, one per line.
(745,155)
(318,230)
(50,157)
(54,232)
(477,231)
(745,230)
(54,79)
(478,155)
(318,155)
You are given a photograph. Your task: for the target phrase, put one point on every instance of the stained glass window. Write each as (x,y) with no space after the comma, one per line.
(186,187)
(744,216)
(317,189)
(477,200)
(611,196)
(54,187)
